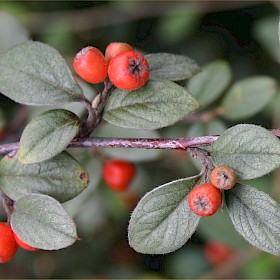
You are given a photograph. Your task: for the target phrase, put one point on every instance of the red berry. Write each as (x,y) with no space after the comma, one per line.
(90,65)
(128,70)
(118,173)
(217,253)
(116,48)
(205,199)
(223,177)
(8,245)
(24,245)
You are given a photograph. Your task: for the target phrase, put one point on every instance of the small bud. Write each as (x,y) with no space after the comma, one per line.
(96,101)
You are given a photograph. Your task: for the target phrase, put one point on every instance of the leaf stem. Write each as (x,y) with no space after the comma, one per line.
(95,112)
(204,157)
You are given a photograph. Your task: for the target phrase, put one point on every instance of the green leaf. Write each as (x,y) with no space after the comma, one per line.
(256,216)
(155,105)
(250,150)
(247,97)
(48,135)
(61,177)
(162,221)
(134,155)
(42,222)
(171,66)
(34,73)
(208,85)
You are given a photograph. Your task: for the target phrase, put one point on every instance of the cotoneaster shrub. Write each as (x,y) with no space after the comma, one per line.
(37,175)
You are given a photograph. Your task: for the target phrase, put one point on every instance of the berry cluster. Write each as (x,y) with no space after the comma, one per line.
(206,199)
(126,68)
(9,242)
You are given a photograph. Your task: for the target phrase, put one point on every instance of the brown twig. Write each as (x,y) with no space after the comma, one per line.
(143,143)
(95,109)
(138,143)
(204,157)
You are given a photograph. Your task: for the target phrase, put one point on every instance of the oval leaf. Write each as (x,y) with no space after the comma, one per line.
(34,73)
(171,66)
(157,104)
(135,155)
(61,177)
(208,85)
(42,222)
(48,135)
(255,216)
(250,150)
(162,222)
(238,101)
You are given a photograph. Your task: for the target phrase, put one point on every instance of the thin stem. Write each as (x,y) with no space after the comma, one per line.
(91,112)
(138,143)
(7,148)
(204,157)
(95,113)
(108,88)
(143,143)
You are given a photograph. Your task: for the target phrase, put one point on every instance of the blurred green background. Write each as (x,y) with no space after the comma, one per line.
(243,33)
